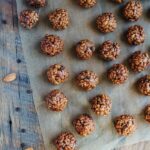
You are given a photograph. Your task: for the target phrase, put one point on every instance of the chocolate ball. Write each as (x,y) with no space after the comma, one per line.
(56,100)
(106,22)
(101,105)
(52,45)
(109,50)
(57,74)
(87,80)
(118,74)
(147,113)
(59,19)
(143,85)
(65,141)
(28,18)
(125,125)
(135,35)
(87,3)
(84,125)
(139,61)
(85,49)
(133,10)
(36,3)
(118,1)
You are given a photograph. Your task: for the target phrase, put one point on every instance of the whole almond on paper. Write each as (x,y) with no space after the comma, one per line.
(30,148)
(10,77)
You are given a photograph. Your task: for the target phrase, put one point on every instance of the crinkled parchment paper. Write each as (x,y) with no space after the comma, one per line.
(125,98)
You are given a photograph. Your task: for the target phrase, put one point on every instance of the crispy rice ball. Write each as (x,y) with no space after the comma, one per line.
(28,18)
(125,125)
(106,23)
(109,50)
(139,61)
(87,3)
(147,113)
(84,125)
(52,45)
(57,74)
(65,141)
(135,35)
(56,100)
(118,74)
(59,19)
(36,3)
(87,80)
(143,85)
(118,1)
(133,10)
(85,49)
(101,105)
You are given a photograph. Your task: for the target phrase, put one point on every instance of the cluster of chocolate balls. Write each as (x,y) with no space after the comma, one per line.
(101,104)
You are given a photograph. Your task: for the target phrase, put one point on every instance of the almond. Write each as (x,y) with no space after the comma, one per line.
(10,77)
(30,148)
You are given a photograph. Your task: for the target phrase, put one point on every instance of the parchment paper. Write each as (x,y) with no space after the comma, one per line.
(125,98)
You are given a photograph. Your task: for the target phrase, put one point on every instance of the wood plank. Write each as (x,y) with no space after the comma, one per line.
(19,125)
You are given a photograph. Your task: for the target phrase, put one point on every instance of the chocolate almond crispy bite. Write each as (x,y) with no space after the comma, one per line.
(59,19)
(147,113)
(87,3)
(56,100)
(85,49)
(139,61)
(109,50)
(57,74)
(87,80)
(118,1)
(133,10)
(125,125)
(28,18)
(65,141)
(143,85)
(84,125)
(36,3)
(101,105)
(52,45)
(106,23)
(135,35)
(118,74)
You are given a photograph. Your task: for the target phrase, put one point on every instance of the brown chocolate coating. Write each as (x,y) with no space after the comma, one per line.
(84,125)
(36,3)
(57,74)
(147,113)
(28,18)
(59,19)
(56,100)
(106,22)
(52,45)
(87,3)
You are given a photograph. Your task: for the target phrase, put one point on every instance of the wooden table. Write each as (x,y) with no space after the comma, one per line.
(19,126)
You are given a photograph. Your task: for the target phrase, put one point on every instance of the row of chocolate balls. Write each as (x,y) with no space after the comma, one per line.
(60,20)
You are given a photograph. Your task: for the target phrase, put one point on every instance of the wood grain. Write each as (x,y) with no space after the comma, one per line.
(19,125)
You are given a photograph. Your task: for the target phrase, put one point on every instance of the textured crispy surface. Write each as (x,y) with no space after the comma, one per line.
(36,3)
(87,3)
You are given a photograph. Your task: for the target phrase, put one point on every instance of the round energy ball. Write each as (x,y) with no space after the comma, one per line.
(133,10)
(87,80)
(143,85)
(106,23)
(57,74)
(118,1)
(139,61)
(125,125)
(28,18)
(84,125)
(135,35)
(52,45)
(109,50)
(56,100)
(147,113)
(118,74)
(101,105)
(85,49)
(65,141)
(36,3)
(59,19)
(87,3)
